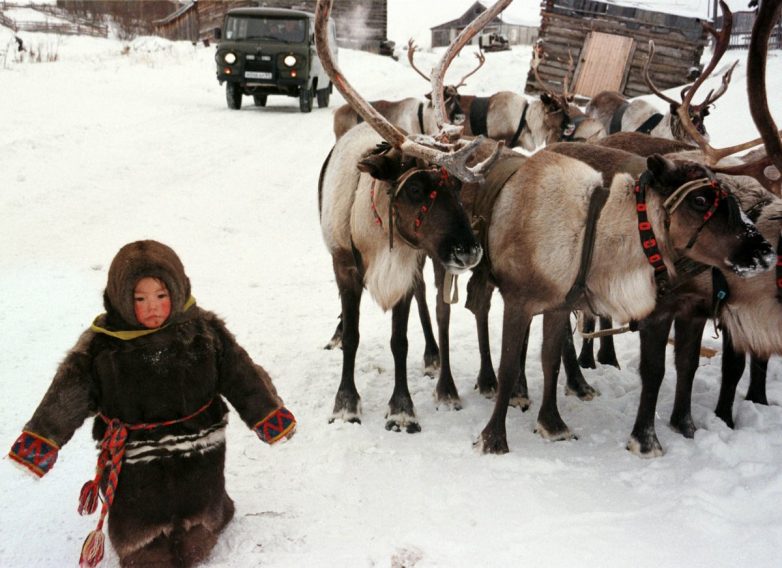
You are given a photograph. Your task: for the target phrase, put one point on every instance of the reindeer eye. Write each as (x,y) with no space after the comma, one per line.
(414,190)
(700,202)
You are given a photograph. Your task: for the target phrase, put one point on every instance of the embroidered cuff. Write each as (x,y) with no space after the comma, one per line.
(34,452)
(276,426)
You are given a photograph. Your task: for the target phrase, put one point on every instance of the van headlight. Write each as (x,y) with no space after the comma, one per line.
(230,58)
(290,60)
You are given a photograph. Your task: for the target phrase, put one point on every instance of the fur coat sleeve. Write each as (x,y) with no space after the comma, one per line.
(249,389)
(68,402)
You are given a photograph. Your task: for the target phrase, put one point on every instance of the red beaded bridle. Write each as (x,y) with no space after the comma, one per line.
(393,192)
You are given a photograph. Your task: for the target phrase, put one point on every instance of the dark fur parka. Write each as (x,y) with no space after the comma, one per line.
(172,477)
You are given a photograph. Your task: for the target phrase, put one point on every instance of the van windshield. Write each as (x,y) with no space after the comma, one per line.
(287,30)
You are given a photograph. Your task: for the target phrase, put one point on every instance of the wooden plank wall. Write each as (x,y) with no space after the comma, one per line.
(361,24)
(675,53)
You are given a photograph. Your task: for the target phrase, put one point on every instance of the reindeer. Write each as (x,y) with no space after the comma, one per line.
(577,126)
(384,205)
(616,113)
(411,114)
(755,164)
(531,241)
(751,317)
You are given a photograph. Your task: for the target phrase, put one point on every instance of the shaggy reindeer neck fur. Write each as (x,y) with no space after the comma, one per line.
(754,314)
(389,273)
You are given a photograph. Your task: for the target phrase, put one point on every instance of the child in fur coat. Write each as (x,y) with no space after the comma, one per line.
(153,370)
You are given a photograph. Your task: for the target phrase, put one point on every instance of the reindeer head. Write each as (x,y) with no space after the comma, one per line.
(563,120)
(557,121)
(420,204)
(705,222)
(687,120)
(451,98)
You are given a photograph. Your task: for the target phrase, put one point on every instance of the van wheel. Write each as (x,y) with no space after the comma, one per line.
(260,100)
(305,100)
(323,97)
(233,96)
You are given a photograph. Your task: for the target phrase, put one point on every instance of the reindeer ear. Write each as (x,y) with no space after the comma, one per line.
(380,167)
(660,167)
(428,96)
(674,108)
(546,99)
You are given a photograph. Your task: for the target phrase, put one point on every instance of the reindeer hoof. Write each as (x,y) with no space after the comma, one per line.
(520,401)
(399,422)
(582,391)
(353,419)
(346,409)
(651,448)
(608,359)
(431,366)
(491,444)
(555,434)
(447,402)
(685,427)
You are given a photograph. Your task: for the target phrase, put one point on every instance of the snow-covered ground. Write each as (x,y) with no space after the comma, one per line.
(102,148)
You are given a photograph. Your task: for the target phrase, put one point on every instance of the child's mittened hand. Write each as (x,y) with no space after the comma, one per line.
(35,453)
(280,424)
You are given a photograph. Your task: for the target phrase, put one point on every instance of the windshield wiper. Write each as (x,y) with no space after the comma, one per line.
(268,38)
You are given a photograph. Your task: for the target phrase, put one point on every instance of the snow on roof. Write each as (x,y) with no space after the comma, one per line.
(31,15)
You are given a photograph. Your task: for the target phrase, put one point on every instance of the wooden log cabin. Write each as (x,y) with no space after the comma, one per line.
(610,45)
(361,24)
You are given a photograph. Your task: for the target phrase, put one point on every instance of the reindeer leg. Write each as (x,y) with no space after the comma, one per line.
(587,356)
(606,355)
(733,364)
(654,337)
(550,424)
(688,333)
(520,395)
(757,380)
(347,403)
(431,351)
(486,383)
(336,339)
(576,383)
(445,393)
(401,414)
(516,321)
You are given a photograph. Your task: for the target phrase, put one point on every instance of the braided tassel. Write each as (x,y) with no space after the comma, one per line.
(88,498)
(92,549)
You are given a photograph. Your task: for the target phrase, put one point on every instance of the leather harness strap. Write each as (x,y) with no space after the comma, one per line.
(479,109)
(650,124)
(616,120)
(520,128)
(596,203)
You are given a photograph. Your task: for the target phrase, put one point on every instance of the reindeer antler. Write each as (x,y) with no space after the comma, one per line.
(411,49)
(721,43)
(760,167)
(481,60)
(768,14)
(650,83)
(453,161)
(563,99)
(438,73)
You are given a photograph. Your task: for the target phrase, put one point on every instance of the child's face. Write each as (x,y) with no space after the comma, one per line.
(152,302)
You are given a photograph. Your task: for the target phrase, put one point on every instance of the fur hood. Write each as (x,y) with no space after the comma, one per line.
(133,262)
